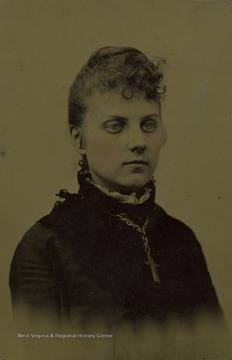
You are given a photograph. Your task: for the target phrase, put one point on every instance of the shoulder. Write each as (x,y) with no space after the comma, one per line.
(180,245)
(65,214)
(37,232)
(35,241)
(41,237)
(177,233)
(169,221)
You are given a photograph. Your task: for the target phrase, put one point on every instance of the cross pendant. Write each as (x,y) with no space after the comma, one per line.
(153,266)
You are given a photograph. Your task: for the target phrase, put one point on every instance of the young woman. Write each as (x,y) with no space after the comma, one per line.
(109,251)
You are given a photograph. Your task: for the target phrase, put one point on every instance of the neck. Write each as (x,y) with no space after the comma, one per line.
(135,197)
(101,198)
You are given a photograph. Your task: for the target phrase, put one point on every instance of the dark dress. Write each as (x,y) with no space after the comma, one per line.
(82,261)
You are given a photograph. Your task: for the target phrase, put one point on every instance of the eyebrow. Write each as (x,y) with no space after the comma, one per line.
(116,117)
(150,116)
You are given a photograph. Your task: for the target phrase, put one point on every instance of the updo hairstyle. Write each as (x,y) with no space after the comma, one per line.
(124,69)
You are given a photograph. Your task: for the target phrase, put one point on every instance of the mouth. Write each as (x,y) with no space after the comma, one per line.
(136,162)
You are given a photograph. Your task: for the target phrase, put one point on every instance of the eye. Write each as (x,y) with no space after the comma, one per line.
(114,126)
(149,125)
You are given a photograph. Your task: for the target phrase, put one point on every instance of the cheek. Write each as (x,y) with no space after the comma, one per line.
(154,154)
(101,152)
(155,146)
(91,141)
(100,146)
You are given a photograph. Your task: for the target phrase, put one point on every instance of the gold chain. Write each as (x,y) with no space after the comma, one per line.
(142,232)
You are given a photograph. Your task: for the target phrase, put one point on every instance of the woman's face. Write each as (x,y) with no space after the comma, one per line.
(121,140)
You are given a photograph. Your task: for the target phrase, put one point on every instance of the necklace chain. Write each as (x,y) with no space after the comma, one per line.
(142,232)
(139,229)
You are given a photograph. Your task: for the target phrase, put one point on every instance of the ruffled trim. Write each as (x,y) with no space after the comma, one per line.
(131,199)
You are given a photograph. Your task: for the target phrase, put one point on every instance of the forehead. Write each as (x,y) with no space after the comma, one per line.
(113,103)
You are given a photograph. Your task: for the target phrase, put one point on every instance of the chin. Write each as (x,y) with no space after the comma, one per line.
(132,187)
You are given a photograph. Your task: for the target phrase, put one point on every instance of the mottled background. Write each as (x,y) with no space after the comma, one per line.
(44,44)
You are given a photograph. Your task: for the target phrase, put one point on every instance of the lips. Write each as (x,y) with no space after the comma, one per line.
(139,162)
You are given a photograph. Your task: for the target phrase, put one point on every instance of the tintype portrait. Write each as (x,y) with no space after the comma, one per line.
(105,255)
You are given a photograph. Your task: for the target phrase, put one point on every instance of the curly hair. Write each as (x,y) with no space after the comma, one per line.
(124,69)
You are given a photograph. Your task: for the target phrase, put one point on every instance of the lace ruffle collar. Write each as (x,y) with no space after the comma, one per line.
(132,199)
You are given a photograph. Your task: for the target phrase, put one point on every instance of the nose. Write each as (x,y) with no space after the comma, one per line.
(136,140)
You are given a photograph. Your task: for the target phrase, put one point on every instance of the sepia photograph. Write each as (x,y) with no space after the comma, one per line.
(115,150)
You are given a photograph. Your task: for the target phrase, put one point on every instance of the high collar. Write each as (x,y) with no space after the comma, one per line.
(134,198)
(141,204)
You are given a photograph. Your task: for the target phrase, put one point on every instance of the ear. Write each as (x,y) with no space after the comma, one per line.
(164,136)
(75,133)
